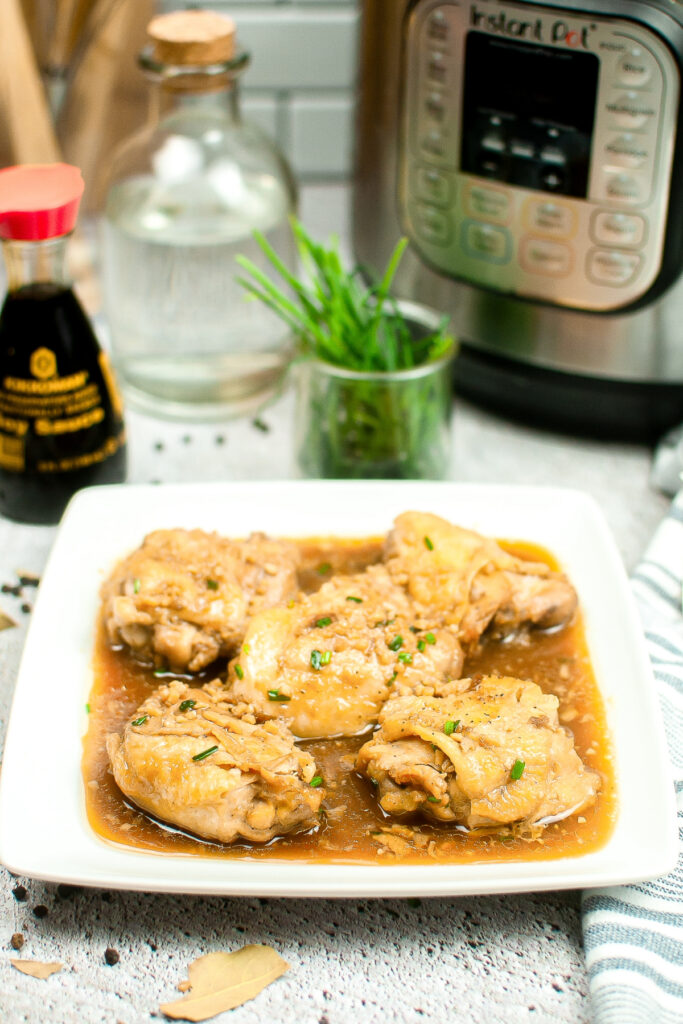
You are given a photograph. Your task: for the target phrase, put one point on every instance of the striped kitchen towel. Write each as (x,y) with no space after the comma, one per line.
(633,934)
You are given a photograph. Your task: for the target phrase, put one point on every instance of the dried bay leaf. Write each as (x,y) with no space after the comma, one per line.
(36,968)
(221,981)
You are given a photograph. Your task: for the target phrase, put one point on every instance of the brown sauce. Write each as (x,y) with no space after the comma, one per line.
(353,827)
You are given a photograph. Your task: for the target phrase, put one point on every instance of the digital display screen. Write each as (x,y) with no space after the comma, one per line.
(528,113)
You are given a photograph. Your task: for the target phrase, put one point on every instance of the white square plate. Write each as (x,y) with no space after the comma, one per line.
(44,832)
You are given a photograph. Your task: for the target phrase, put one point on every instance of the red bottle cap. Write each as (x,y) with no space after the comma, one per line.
(39,201)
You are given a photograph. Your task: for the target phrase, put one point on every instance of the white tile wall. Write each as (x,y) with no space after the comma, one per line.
(300,85)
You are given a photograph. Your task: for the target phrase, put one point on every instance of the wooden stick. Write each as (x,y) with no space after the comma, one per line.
(89,128)
(24,116)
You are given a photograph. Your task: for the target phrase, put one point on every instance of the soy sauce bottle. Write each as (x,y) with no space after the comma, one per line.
(61,422)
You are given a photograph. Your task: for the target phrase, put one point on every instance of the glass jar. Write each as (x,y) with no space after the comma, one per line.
(352,424)
(186,194)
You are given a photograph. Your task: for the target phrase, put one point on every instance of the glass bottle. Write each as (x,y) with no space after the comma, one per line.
(185,195)
(61,423)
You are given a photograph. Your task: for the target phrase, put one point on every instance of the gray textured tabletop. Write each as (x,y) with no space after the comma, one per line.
(499,960)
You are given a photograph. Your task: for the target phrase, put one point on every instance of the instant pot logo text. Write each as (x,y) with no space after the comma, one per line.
(558,32)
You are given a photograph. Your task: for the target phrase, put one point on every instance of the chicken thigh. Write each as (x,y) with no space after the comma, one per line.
(327,663)
(458,578)
(183,598)
(494,754)
(192,758)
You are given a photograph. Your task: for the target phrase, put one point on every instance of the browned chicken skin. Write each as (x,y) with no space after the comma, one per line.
(252,780)
(184,597)
(468,582)
(493,754)
(327,663)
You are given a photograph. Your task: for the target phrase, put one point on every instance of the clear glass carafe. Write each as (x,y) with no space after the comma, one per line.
(186,194)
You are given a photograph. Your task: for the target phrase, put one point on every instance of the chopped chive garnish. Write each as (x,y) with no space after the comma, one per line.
(187,704)
(323,568)
(276,695)
(204,753)
(316,781)
(316,660)
(326,658)
(450,726)
(384,622)
(136,586)
(428,544)
(406,658)
(212,584)
(516,770)
(141,720)
(158,672)
(396,643)
(245,648)
(430,638)
(239,671)
(356,600)
(325,621)
(393,676)
(414,629)
(87,709)
(421,645)
(433,799)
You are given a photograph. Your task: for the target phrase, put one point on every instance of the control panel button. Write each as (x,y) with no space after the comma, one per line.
(434,146)
(610,228)
(436,68)
(433,186)
(432,224)
(607,266)
(492,204)
(626,150)
(435,107)
(486,242)
(493,143)
(548,218)
(552,179)
(541,256)
(522,150)
(635,67)
(437,26)
(631,110)
(626,188)
(551,155)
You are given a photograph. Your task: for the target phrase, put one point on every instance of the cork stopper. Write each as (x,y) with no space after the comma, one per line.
(192,38)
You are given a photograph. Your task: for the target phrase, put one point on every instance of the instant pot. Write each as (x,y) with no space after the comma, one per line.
(533,155)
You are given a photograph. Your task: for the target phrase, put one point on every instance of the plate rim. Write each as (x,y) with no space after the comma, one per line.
(446,879)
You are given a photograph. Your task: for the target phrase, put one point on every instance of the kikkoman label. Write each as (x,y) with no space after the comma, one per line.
(43,363)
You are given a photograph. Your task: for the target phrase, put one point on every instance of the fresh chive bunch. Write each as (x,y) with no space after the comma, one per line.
(336,317)
(383,414)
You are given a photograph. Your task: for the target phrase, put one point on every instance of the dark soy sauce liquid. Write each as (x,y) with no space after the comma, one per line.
(61,429)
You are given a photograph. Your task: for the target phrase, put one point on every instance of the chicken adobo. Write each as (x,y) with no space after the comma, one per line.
(195,759)
(374,711)
(184,597)
(493,754)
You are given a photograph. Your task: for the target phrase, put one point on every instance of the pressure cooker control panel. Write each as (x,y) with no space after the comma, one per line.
(536,149)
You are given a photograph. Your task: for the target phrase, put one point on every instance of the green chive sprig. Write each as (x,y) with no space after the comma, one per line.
(205,753)
(517,770)
(335,316)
